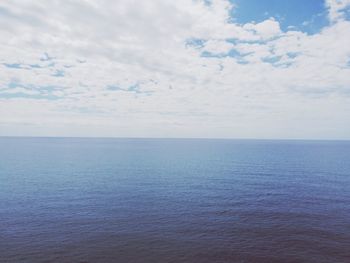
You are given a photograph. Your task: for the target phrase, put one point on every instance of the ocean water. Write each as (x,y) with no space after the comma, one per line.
(174,200)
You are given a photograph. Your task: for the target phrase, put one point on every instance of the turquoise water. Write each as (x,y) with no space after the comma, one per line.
(174,200)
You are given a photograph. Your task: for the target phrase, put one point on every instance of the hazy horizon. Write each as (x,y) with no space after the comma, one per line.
(177,138)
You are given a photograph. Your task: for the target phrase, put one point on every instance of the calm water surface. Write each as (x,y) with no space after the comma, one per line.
(162,200)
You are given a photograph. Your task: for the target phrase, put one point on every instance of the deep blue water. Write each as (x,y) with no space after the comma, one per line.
(174,200)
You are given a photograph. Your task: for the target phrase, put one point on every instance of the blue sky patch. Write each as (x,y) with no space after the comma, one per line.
(46,57)
(135,88)
(5,95)
(195,42)
(58,73)
(113,87)
(309,16)
(233,53)
(14,84)
(347,13)
(35,66)
(44,91)
(13,65)
(272,59)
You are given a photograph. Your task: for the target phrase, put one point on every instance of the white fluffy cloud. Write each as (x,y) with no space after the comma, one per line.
(169,68)
(266,29)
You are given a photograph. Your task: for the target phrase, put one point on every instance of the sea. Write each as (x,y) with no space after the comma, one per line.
(174,200)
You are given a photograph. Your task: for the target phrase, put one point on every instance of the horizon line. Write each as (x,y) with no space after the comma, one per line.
(170,138)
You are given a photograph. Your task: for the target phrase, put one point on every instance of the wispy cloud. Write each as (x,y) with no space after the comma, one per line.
(337,9)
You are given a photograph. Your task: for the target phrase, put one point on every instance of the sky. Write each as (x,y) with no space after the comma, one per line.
(263,69)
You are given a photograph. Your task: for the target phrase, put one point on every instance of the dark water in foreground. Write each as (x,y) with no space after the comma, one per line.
(155,200)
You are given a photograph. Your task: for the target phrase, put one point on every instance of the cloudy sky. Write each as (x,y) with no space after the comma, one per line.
(165,68)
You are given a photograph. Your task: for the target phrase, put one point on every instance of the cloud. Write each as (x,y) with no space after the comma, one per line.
(217,46)
(337,9)
(265,30)
(169,68)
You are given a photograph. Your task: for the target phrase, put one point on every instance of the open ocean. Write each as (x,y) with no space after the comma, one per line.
(174,200)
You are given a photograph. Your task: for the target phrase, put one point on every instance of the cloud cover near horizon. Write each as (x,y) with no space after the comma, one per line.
(161,68)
